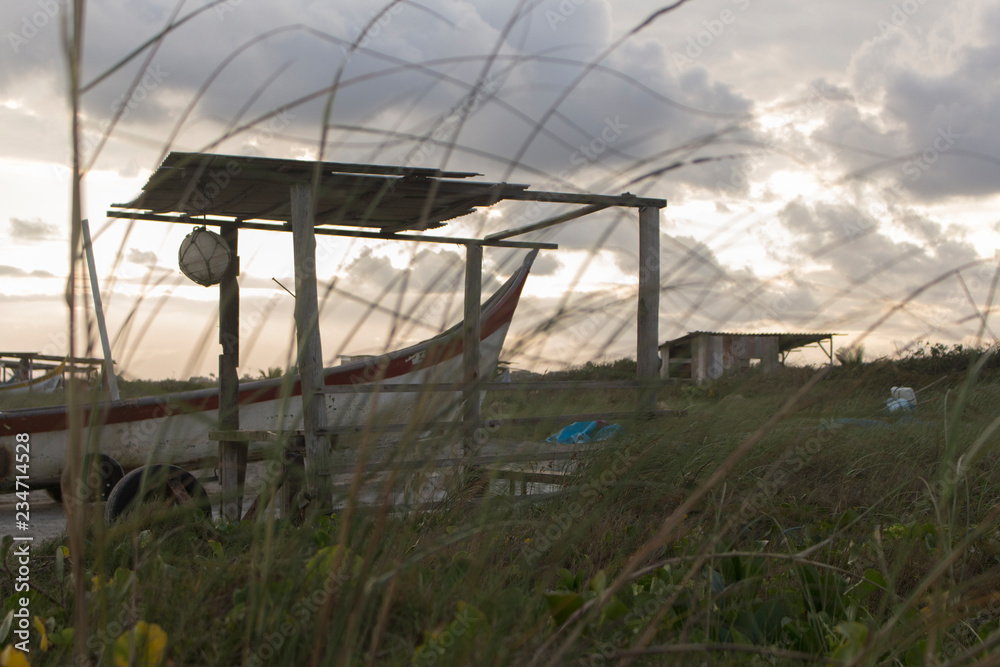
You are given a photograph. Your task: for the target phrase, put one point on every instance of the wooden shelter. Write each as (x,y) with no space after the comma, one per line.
(23,365)
(706,355)
(308,198)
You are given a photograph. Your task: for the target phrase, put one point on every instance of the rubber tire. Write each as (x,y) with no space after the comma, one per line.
(110,472)
(124,497)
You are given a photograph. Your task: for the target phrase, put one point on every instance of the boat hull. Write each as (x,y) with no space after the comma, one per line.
(175,428)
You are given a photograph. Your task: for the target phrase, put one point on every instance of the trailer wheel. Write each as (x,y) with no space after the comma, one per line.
(167,484)
(100,477)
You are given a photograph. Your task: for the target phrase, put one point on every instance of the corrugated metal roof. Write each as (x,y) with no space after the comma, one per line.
(254,188)
(794,339)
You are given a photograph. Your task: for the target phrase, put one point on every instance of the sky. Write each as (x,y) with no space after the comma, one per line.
(828,166)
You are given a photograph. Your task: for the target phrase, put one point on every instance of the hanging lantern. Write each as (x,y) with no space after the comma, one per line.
(204,257)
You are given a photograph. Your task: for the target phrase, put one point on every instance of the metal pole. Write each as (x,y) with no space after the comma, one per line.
(102,327)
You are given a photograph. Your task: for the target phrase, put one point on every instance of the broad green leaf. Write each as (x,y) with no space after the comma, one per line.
(872,583)
(216,548)
(61,554)
(5,625)
(599,582)
(562,604)
(324,561)
(855,635)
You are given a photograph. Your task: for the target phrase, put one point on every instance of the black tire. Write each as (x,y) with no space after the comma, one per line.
(98,479)
(125,496)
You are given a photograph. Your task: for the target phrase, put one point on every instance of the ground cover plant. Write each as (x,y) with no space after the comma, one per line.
(843,535)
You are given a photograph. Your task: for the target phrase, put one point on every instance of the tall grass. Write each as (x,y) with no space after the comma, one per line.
(787,519)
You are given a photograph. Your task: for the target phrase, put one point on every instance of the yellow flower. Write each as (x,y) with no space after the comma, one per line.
(97,582)
(144,646)
(11,657)
(40,626)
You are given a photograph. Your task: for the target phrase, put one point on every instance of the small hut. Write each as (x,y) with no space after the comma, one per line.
(706,355)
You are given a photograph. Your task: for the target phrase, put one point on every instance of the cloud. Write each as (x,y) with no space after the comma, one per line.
(925,112)
(136,256)
(34,229)
(546,264)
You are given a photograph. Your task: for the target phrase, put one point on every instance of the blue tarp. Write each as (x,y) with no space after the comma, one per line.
(578,432)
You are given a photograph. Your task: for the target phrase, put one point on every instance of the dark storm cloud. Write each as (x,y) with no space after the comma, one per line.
(416,74)
(926,117)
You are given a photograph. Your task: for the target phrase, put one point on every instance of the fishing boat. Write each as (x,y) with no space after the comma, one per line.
(48,382)
(174,428)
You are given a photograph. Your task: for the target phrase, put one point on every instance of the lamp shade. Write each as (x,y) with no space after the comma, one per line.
(204,257)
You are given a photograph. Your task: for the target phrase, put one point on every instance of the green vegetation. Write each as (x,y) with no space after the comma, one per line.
(788,519)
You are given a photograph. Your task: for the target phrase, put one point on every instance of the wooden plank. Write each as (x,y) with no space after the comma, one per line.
(648,307)
(471,341)
(594,416)
(177,489)
(266,495)
(232,454)
(541,385)
(528,476)
(310,352)
(244,436)
(293,472)
(326,231)
(627,199)
(90,361)
(586,416)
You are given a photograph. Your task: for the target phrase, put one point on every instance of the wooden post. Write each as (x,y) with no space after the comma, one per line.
(470,342)
(110,379)
(310,351)
(292,475)
(647,321)
(232,455)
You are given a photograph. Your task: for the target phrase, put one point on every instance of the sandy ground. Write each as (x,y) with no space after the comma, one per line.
(46,517)
(48,520)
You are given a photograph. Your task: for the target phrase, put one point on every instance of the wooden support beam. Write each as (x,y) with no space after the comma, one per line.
(292,476)
(541,385)
(470,341)
(648,312)
(628,200)
(232,454)
(331,231)
(548,222)
(110,379)
(310,351)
